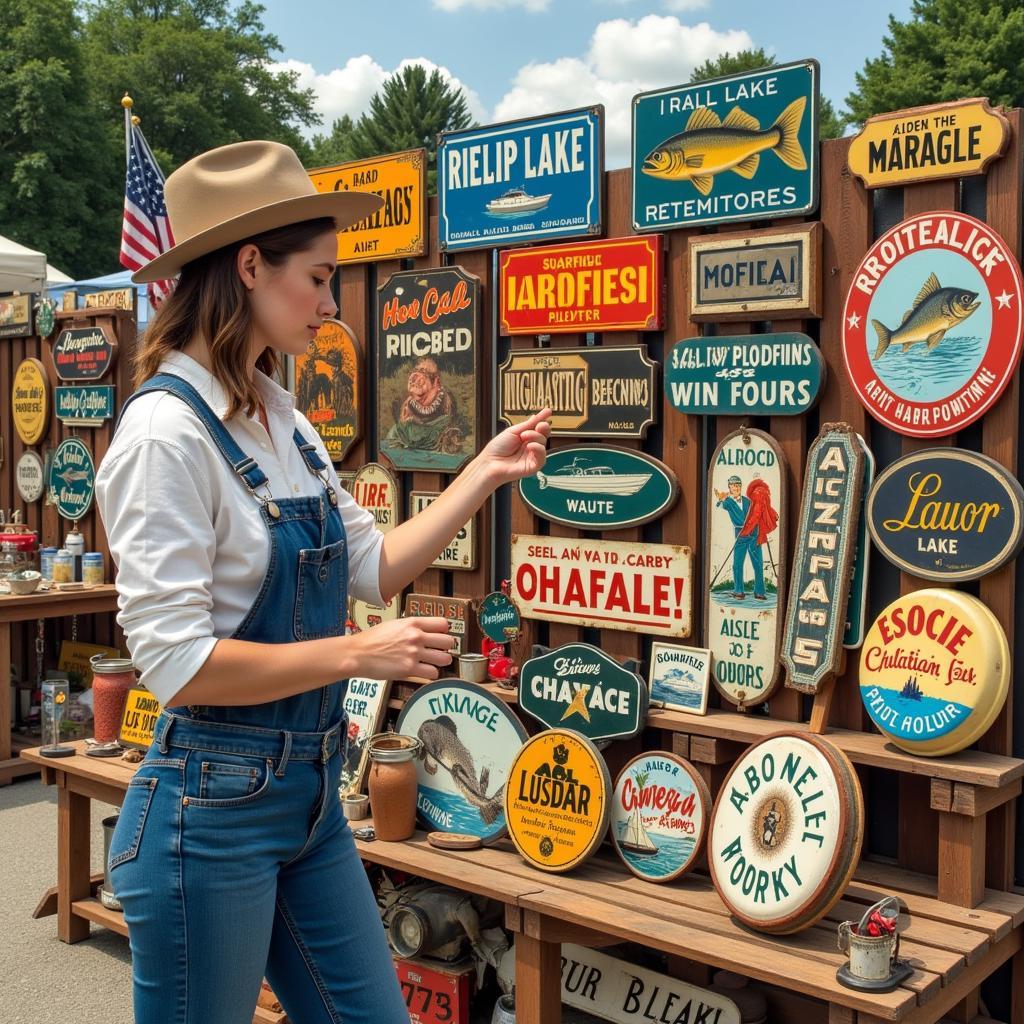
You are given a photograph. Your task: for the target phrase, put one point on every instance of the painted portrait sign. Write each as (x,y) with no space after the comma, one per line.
(83,353)
(428,337)
(747,526)
(366,704)
(72,478)
(30,401)
(460,553)
(932,325)
(679,677)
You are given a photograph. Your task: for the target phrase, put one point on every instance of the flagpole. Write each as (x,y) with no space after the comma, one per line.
(127,103)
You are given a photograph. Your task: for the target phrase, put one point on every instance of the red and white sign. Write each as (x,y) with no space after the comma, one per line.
(437,993)
(932,326)
(641,588)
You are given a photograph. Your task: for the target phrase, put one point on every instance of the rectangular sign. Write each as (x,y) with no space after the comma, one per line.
(399,228)
(521,181)
(141,710)
(612,285)
(15,316)
(118,298)
(743,147)
(640,588)
(86,405)
(457,610)
(366,704)
(74,658)
(437,993)
(461,552)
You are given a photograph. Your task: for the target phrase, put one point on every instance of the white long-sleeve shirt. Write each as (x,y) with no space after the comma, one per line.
(186,536)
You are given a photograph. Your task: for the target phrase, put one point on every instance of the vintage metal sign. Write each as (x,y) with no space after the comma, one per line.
(521,181)
(744,147)
(15,316)
(592,392)
(641,588)
(72,478)
(616,284)
(399,228)
(376,490)
(826,542)
(932,326)
(947,514)
(30,477)
(365,615)
(557,800)
(457,610)
(935,671)
(786,832)
(30,401)
(141,711)
(428,337)
(775,273)
(436,992)
(469,741)
(679,677)
(366,704)
(116,298)
(600,488)
(747,525)
(659,820)
(498,618)
(579,687)
(745,375)
(88,405)
(329,381)
(461,552)
(857,603)
(945,140)
(83,353)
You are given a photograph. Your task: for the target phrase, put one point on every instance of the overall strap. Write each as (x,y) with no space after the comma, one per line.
(315,464)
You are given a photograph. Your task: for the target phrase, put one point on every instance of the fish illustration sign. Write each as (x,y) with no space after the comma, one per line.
(72,478)
(743,147)
(932,325)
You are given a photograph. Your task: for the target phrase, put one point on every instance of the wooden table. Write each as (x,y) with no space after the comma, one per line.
(53,604)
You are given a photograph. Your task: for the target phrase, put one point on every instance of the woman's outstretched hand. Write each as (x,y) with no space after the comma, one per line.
(417,646)
(518,451)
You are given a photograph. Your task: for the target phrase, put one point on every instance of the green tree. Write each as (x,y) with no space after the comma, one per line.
(336,148)
(945,51)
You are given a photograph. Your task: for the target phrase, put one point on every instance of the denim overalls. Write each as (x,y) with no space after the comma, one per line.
(231,857)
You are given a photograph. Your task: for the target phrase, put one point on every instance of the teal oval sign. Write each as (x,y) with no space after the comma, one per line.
(499,618)
(600,487)
(72,479)
(745,375)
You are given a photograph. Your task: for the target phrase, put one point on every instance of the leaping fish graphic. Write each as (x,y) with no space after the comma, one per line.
(70,476)
(935,311)
(442,746)
(709,146)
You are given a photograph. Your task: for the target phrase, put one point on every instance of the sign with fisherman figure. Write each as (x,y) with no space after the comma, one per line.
(747,527)
(469,740)
(744,147)
(932,325)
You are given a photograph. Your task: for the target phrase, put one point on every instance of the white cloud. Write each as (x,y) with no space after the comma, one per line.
(492,5)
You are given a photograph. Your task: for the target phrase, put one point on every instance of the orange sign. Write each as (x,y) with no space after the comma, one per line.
(399,227)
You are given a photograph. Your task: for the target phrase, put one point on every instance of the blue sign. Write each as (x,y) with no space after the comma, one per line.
(89,405)
(72,479)
(521,181)
(743,147)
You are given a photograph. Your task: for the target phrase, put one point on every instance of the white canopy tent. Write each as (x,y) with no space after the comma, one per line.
(25,270)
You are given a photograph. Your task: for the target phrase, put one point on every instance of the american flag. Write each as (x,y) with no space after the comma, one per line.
(145,231)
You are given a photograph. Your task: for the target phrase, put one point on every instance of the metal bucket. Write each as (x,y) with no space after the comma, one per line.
(107,897)
(871,956)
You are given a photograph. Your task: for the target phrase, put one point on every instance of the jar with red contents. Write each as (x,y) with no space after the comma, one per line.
(112,678)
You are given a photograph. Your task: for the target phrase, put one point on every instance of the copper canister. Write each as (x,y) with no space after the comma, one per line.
(392,784)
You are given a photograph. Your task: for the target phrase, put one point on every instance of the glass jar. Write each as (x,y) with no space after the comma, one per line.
(92,567)
(63,567)
(112,678)
(46,556)
(393,784)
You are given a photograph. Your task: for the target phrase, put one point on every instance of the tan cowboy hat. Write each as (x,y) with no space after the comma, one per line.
(241,190)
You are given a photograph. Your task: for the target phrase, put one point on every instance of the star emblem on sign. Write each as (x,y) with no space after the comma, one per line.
(578,705)
(853,320)
(1004,300)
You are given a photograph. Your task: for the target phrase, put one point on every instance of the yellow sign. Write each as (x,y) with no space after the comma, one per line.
(557,800)
(74,659)
(399,227)
(141,710)
(30,401)
(947,140)
(119,298)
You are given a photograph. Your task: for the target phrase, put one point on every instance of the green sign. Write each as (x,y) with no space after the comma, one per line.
(579,687)
(600,487)
(86,405)
(72,479)
(499,618)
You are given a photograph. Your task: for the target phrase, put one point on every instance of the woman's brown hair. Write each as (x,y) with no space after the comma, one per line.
(211,301)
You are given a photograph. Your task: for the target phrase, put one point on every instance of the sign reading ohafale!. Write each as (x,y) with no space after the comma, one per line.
(141,710)
(611,285)
(89,405)
(946,140)
(641,588)
(592,392)
(83,353)
(399,228)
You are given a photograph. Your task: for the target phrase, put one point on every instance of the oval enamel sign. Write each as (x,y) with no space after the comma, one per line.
(946,514)
(376,490)
(935,671)
(932,324)
(600,488)
(72,478)
(30,404)
(30,477)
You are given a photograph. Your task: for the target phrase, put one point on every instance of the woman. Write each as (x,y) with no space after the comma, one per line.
(236,550)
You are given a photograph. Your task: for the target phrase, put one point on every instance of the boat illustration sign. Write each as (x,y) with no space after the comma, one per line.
(577,686)
(83,353)
(89,405)
(592,392)
(743,147)
(641,588)
(932,325)
(469,740)
(679,677)
(747,525)
(947,514)
(531,180)
(745,375)
(659,819)
(329,385)
(595,488)
(72,479)
(935,671)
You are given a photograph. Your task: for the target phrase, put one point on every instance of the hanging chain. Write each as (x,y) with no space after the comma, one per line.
(40,647)
(74,629)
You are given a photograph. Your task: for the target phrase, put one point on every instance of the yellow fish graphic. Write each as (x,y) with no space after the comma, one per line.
(935,311)
(709,146)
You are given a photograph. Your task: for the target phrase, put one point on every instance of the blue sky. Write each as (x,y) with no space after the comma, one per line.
(518,57)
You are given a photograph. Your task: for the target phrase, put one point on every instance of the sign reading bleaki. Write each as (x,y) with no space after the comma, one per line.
(945,140)
(642,588)
(329,386)
(611,285)
(375,489)
(83,353)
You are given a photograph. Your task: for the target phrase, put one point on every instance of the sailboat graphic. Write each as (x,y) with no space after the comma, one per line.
(635,838)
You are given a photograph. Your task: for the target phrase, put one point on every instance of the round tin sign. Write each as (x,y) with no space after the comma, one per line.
(934,671)
(932,324)
(30,477)
(946,514)
(786,832)
(499,618)
(72,478)
(469,741)
(557,800)
(376,490)
(659,816)
(30,401)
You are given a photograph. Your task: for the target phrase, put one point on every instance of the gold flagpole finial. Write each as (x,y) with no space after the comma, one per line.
(136,120)
(127,102)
